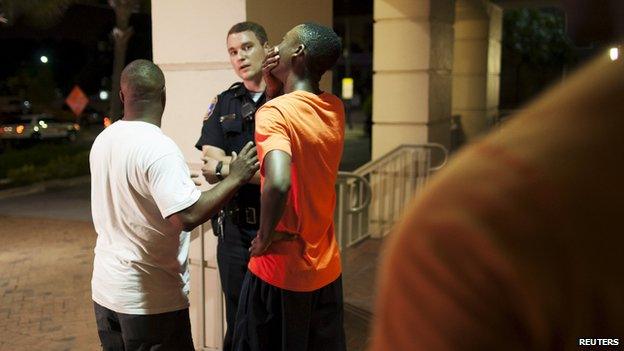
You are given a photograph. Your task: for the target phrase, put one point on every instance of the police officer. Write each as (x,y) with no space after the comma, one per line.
(228,126)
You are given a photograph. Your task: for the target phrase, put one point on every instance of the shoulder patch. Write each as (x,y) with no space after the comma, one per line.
(211,108)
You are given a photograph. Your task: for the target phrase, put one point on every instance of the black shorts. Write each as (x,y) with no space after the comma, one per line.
(270,318)
(154,332)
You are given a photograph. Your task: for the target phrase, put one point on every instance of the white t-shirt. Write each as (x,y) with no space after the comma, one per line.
(138,178)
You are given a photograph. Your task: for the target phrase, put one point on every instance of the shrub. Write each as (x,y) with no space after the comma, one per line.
(38,156)
(59,167)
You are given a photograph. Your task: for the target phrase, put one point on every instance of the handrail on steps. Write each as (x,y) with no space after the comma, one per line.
(371,198)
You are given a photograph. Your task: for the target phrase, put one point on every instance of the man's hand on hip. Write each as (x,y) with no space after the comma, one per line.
(259,246)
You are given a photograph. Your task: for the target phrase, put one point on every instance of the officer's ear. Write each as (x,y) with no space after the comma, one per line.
(121,96)
(163,97)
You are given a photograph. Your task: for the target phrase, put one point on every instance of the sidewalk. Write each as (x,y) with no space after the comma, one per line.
(46,256)
(45,300)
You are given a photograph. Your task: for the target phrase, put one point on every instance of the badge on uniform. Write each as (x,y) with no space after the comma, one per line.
(230,117)
(211,108)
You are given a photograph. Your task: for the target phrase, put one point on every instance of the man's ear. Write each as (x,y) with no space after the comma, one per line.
(299,51)
(121,96)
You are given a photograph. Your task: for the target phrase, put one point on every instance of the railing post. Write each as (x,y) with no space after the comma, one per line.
(340,209)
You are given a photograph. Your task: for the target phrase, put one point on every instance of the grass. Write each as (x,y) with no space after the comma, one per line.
(43,162)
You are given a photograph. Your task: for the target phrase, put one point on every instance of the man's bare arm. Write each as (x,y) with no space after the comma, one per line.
(243,168)
(211,156)
(273,200)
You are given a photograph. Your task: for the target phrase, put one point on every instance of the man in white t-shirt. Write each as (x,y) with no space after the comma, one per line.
(144,203)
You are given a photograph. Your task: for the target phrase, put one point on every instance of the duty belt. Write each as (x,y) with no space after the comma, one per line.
(243,215)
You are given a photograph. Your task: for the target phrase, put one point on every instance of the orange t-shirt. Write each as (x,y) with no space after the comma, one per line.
(310,128)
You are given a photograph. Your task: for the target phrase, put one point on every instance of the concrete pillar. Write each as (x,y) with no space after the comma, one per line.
(412,61)
(189,45)
(476,64)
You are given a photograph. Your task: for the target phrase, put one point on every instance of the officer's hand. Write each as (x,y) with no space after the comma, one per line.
(209,167)
(245,164)
(195,178)
(273,85)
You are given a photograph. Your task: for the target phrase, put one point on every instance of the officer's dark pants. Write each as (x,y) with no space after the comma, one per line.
(151,332)
(232,257)
(270,318)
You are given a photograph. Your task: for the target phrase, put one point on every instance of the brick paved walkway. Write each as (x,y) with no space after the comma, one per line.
(45,271)
(45,293)
(360,264)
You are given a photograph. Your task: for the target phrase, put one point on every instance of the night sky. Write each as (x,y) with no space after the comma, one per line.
(79,47)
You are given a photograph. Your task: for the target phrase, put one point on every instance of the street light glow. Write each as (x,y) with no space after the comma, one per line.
(103,95)
(44,59)
(614,53)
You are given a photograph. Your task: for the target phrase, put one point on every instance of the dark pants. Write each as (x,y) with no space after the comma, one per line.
(150,332)
(270,318)
(232,258)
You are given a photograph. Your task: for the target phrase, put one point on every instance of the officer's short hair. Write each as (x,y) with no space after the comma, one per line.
(323,47)
(142,80)
(257,29)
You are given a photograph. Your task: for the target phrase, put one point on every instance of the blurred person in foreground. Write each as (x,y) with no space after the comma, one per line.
(292,293)
(517,244)
(144,204)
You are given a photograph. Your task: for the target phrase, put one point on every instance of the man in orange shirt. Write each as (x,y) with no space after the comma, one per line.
(292,294)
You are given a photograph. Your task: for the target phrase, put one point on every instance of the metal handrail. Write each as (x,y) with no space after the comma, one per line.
(372,198)
(370,166)
(367,187)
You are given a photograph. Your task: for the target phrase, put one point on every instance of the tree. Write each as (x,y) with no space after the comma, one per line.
(36,82)
(535,52)
(537,36)
(38,13)
(121,35)
(45,13)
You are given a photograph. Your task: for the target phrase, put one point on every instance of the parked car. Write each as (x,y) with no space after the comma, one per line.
(37,127)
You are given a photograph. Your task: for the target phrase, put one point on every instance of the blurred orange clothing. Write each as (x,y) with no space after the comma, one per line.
(517,244)
(310,128)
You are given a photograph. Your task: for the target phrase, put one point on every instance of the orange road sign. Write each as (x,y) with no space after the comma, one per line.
(77,100)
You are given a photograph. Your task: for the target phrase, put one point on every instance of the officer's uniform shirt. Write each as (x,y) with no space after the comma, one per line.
(229,124)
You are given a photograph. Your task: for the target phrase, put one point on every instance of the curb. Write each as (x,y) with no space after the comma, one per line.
(43,186)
